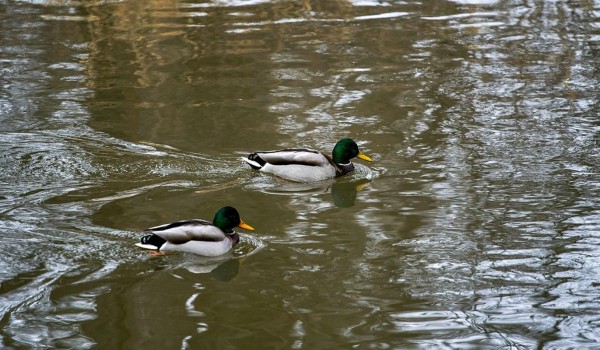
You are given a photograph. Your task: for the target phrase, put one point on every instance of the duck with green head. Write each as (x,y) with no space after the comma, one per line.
(197,236)
(305,165)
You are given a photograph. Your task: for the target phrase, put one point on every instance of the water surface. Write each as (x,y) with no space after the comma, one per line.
(475,227)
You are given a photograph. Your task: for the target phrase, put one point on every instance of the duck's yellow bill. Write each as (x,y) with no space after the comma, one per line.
(246,226)
(364,156)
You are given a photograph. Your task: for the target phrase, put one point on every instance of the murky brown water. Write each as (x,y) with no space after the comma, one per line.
(477,226)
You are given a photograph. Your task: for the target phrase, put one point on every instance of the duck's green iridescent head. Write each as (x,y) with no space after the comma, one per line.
(227,218)
(346,149)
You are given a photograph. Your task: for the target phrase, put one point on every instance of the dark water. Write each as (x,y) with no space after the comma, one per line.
(477,225)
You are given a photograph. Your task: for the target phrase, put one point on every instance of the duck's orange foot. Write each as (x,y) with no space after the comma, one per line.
(157,253)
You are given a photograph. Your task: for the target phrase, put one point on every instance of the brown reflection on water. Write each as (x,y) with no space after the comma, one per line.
(474,227)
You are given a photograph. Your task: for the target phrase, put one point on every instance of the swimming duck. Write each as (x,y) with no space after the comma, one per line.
(197,236)
(304,165)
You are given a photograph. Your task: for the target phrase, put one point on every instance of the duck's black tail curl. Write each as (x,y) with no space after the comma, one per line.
(153,240)
(259,162)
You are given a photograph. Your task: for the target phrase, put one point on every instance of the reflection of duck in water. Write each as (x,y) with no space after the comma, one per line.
(197,236)
(343,193)
(221,270)
(305,165)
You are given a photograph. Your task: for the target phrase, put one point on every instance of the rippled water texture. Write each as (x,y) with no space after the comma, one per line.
(477,225)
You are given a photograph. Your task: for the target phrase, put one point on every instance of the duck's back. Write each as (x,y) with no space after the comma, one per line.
(188,230)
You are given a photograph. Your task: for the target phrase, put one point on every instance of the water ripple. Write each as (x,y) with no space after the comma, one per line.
(474,228)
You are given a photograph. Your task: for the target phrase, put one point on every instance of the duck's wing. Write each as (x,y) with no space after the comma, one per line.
(188,230)
(304,157)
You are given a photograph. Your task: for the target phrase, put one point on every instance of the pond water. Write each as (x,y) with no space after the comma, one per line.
(476,226)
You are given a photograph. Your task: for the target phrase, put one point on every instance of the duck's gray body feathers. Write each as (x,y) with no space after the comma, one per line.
(301,165)
(192,236)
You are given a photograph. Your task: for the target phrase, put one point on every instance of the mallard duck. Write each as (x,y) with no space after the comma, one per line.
(304,165)
(197,236)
